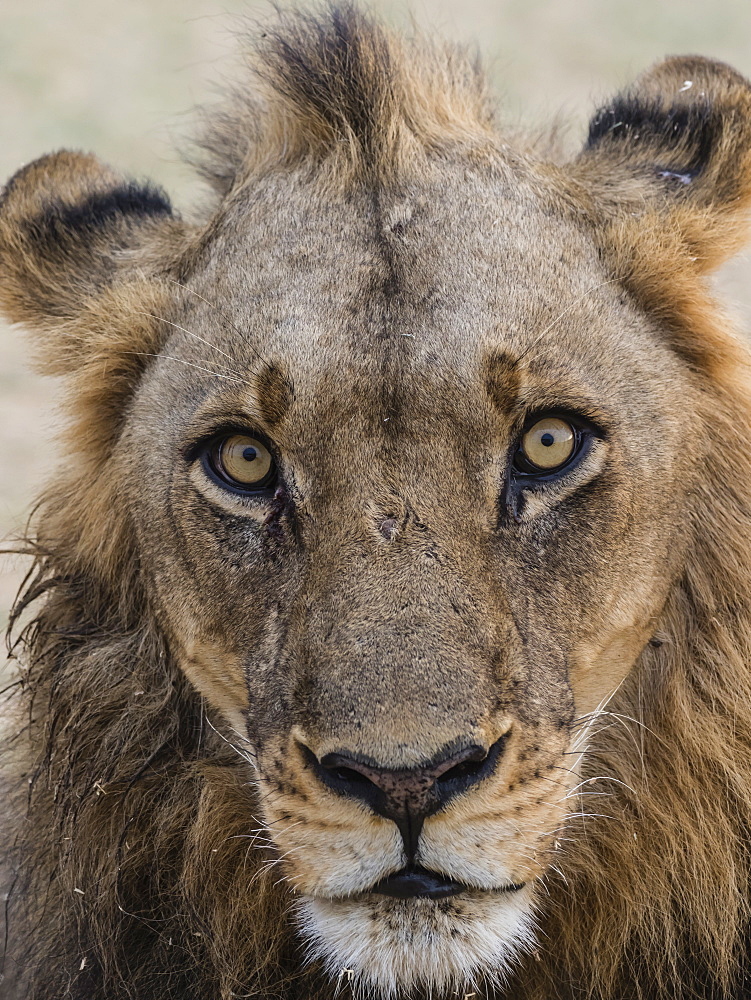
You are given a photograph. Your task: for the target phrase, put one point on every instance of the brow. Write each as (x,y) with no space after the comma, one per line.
(540,385)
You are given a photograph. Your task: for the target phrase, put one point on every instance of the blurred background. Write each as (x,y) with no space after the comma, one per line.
(119,77)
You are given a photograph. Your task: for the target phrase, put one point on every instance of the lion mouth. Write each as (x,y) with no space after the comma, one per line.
(415,882)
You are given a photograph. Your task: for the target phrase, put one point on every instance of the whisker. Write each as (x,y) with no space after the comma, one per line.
(256,834)
(601,777)
(240,753)
(560,316)
(621,721)
(161,319)
(168,357)
(637,722)
(585,795)
(559,871)
(587,815)
(221,312)
(566,770)
(601,713)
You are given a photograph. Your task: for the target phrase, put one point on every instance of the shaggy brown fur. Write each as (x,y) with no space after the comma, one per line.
(383,286)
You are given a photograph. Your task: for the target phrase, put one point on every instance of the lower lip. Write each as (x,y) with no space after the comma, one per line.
(419,883)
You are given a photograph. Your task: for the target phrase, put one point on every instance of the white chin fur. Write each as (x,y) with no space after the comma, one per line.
(386,947)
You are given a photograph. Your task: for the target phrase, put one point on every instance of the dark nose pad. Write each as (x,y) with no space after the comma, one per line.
(407,796)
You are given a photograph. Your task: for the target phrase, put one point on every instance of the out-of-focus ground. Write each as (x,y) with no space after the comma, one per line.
(119,77)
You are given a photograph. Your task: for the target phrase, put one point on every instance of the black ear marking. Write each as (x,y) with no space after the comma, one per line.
(681,132)
(59,221)
(129,199)
(685,135)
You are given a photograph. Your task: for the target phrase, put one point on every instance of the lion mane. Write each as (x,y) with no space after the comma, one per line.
(134,871)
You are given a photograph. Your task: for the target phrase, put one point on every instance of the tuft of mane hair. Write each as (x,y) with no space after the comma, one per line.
(338,87)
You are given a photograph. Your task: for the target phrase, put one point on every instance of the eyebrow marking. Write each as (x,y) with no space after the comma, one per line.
(273,392)
(502,380)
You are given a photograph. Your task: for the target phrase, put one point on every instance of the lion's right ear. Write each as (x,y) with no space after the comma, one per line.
(69,229)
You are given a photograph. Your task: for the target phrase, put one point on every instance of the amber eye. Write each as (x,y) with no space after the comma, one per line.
(546,446)
(243,462)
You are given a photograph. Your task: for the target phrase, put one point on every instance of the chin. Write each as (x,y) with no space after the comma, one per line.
(384,947)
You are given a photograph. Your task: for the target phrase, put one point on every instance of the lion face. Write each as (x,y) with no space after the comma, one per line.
(400,448)
(362,566)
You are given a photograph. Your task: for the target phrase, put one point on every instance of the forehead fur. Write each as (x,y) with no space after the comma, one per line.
(338,87)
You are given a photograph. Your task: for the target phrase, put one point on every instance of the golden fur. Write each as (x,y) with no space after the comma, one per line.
(150,836)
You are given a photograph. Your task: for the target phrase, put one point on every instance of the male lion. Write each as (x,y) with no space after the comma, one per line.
(392,621)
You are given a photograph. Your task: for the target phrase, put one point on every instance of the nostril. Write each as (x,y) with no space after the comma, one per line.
(467,769)
(348,775)
(406,796)
(475,765)
(344,775)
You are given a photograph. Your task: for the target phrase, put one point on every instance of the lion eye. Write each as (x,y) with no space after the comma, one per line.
(547,445)
(243,462)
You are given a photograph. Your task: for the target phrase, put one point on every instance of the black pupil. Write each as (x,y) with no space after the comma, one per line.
(547,439)
(250,454)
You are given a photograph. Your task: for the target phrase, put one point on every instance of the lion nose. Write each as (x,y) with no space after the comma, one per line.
(410,795)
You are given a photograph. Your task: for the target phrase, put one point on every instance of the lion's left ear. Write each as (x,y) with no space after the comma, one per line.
(676,147)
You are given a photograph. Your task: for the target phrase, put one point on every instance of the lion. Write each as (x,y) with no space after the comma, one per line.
(389,626)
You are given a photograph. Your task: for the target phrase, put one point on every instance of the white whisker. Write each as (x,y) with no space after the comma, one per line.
(223,315)
(161,319)
(560,315)
(168,357)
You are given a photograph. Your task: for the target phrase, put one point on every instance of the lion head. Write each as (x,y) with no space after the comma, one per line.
(392,599)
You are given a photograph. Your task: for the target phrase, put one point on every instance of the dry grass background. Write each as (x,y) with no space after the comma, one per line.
(119,77)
